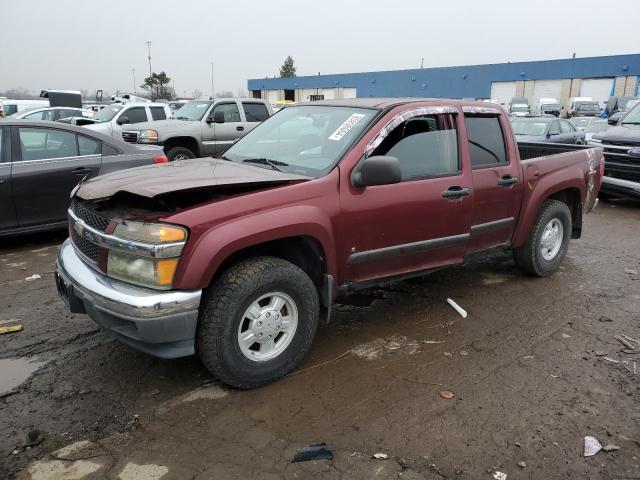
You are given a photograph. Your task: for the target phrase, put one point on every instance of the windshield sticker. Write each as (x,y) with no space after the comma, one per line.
(343,129)
(202,105)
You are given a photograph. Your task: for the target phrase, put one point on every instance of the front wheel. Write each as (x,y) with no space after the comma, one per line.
(257,322)
(180,153)
(548,241)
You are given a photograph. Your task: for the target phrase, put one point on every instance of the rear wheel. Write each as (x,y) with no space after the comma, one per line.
(548,241)
(257,322)
(180,153)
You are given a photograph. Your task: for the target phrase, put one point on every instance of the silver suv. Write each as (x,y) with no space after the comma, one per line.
(201,128)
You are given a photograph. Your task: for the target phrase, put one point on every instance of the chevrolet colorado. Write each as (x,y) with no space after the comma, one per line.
(237,258)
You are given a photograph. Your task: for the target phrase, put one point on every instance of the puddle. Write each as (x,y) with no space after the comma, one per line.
(14,371)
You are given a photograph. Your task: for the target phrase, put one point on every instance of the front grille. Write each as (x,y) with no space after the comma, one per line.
(621,143)
(131,137)
(87,248)
(88,216)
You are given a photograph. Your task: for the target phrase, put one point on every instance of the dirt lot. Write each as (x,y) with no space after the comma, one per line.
(533,369)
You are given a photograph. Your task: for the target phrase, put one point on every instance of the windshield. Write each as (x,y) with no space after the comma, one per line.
(579,122)
(633,117)
(535,129)
(192,111)
(597,126)
(550,106)
(520,108)
(590,106)
(307,140)
(107,113)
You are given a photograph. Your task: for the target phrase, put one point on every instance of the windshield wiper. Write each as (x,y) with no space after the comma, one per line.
(267,161)
(182,118)
(630,123)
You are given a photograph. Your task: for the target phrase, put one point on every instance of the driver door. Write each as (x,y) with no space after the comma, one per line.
(225,134)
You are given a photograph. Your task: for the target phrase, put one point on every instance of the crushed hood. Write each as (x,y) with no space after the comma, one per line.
(152,180)
(621,133)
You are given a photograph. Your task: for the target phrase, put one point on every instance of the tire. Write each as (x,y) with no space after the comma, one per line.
(180,153)
(224,317)
(541,260)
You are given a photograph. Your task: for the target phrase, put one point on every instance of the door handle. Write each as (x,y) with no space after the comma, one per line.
(456,191)
(80,171)
(507,180)
(239,128)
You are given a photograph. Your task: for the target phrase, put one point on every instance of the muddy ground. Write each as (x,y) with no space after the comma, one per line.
(534,369)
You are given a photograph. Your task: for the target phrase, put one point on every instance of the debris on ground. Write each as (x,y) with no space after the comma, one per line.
(10,329)
(624,340)
(464,353)
(380,456)
(318,451)
(419,381)
(499,476)
(448,394)
(457,308)
(600,353)
(604,319)
(33,277)
(591,446)
(34,437)
(631,271)
(610,359)
(522,464)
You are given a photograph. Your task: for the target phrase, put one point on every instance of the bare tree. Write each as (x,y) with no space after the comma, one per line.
(18,94)
(242,93)
(197,94)
(224,94)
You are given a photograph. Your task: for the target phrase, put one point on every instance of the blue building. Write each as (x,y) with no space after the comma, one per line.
(595,77)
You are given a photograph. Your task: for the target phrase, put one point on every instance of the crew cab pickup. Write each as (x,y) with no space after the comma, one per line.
(201,127)
(238,258)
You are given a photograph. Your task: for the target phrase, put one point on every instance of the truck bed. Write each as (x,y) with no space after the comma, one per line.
(529,150)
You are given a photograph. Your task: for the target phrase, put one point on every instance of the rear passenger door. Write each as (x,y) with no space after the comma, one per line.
(158,113)
(47,164)
(496,183)
(7,210)
(255,113)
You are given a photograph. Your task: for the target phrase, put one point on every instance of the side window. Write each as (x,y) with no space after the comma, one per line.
(157,113)
(255,112)
(88,146)
(135,115)
(108,150)
(565,127)
(554,128)
(43,143)
(230,110)
(69,113)
(486,141)
(34,116)
(426,146)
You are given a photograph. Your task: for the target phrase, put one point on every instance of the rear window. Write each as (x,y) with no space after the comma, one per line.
(486,141)
(255,112)
(158,113)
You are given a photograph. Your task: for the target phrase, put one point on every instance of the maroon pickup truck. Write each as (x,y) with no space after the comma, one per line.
(238,258)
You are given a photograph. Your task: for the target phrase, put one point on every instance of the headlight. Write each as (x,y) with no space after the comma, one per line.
(156,233)
(155,270)
(148,136)
(147,272)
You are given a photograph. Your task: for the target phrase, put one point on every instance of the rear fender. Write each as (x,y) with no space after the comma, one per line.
(202,259)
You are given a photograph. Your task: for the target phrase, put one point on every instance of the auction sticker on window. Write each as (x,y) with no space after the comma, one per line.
(348,124)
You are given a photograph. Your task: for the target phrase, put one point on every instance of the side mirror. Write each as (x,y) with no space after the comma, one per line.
(614,119)
(218,116)
(377,170)
(123,120)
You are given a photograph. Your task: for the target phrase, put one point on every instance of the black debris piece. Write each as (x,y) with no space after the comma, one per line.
(319,451)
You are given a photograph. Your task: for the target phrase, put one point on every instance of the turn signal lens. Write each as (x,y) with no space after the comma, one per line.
(165,269)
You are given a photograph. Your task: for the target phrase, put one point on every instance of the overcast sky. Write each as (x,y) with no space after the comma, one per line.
(75,44)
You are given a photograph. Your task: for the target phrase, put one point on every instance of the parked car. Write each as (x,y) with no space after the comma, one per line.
(9,107)
(50,113)
(597,126)
(581,123)
(201,127)
(621,145)
(618,104)
(94,107)
(546,129)
(583,107)
(237,258)
(549,106)
(112,120)
(519,109)
(41,163)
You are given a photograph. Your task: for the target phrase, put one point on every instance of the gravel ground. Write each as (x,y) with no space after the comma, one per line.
(534,368)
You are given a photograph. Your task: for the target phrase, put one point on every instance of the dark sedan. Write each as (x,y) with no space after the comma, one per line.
(546,129)
(42,162)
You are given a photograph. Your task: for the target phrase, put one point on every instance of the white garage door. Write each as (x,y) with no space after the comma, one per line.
(349,93)
(503,92)
(272,96)
(597,88)
(329,93)
(545,89)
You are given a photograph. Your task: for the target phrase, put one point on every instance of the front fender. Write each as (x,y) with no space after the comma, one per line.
(203,257)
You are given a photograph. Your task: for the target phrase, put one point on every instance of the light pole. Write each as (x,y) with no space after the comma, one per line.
(148,44)
(133,71)
(212,92)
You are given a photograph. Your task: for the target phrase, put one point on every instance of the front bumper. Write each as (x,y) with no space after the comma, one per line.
(162,324)
(618,186)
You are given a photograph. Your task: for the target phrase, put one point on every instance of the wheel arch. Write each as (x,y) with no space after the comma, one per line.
(182,141)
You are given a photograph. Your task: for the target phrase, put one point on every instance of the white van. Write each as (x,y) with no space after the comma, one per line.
(9,107)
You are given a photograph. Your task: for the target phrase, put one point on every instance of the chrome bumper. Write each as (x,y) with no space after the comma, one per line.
(159,323)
